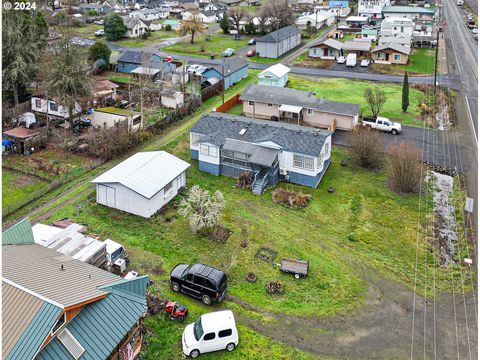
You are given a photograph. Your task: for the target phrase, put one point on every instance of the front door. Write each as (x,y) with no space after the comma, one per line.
(325,52)
(387,56)
(111,194)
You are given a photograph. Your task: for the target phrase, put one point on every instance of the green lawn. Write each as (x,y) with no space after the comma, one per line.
(236,110)
(263,60)
(118,77)
(86,30)
(205,48)
(352,91)
(16,186)
(155,37)
(420,62)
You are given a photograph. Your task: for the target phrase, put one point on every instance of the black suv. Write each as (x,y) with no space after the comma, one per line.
(200,281)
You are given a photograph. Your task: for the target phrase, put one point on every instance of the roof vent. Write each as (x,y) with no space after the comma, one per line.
(243,131)
(71,344)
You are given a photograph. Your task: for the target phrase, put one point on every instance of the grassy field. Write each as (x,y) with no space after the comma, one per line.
(118,77)
(352,91)
(15,186)
(205,48)
(155,37)
(420,62)
(236,110)
(86,31)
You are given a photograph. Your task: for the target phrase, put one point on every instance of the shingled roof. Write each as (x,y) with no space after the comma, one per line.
(231,65)
(278,35)
(216,128)
(289,96)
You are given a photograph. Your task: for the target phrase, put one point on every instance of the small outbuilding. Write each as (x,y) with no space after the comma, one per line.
(143,183)
(276,75)
(23,140)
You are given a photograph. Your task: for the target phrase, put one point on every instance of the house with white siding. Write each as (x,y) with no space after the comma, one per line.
(231,145)
(143,183)
(277,43)
(53,108)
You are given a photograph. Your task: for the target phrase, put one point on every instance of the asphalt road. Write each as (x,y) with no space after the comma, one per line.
(463,57)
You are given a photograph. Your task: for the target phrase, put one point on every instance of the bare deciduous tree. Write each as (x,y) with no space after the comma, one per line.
(375,99)
(405,167)
(202,209)
(237,14)
(279,13)
(192,26)
(366,147)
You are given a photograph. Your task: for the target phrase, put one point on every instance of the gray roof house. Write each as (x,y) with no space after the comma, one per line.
(298,107)
(231,145)
(230,71)
(277,43)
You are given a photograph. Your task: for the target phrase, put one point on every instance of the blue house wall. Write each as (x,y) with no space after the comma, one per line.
(209,168)
(230,79)
(305,180)
(128,67)
(193,154)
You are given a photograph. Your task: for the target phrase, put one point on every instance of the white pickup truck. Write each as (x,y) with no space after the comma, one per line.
(382,124)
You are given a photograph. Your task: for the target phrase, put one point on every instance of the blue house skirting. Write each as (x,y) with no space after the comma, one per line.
(193,154)
(209,168)
(305,180)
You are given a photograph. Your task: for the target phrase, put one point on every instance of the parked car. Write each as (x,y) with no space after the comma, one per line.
(252,42)
(460,2)
(382,124)
(211,332)
(228,52)
(351,60)
(98,22)
(191,69)
(199,281)
(341,60)
(99,33)
(365,63)
(251,53)
(123,104)
(475,31)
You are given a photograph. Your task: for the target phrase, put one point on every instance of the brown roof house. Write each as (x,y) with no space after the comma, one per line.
(392,53)
(328,49)
(361,48)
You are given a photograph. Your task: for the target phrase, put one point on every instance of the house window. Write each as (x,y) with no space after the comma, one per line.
(208,150)
(251,103)
(310,111)
(136,120)
(269,105)
(396,57)
(308,163)
(194,140)
(38,103)
(298,161)
(168,187)
(53,106)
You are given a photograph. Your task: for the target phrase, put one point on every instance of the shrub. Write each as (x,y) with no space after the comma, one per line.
(202,209)
(245,180)
(290,198)
(405,167)
(366,147)
(220,233)
(274,288)
(168,27)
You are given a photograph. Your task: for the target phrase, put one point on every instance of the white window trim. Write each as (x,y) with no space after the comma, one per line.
(310,111)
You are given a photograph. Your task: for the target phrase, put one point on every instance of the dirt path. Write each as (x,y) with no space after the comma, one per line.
(380,329)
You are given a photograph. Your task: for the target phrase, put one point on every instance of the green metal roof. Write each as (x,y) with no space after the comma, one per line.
(136,286)
(19,234)
(36,332)
(408,9)
(100,326)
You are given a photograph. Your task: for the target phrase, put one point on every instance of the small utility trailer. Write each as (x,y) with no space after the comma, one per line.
(294,266)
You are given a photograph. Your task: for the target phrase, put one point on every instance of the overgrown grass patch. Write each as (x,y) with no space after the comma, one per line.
(207,45)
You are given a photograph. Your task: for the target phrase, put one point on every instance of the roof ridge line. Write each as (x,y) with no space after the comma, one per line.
(33,293)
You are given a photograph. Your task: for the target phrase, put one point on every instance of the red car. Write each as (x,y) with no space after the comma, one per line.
(251,53)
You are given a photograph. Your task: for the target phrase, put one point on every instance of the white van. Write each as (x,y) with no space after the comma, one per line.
(212,332)
(351,60)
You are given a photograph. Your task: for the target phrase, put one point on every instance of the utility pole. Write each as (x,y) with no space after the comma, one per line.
(436,66)
(183,88)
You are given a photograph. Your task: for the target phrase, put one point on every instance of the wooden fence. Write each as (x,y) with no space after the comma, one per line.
(229,104)
(212,90)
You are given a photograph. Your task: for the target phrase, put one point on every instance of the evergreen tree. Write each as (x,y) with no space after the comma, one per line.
(405,93)
(224,24)
(99,51)
(114,27)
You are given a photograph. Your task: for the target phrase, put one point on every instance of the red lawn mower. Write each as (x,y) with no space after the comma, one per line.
(175,311)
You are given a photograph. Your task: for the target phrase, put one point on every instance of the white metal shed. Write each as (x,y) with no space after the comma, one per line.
(143,183)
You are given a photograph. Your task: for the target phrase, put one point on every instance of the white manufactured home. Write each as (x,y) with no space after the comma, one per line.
(52,108)
(143,183)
